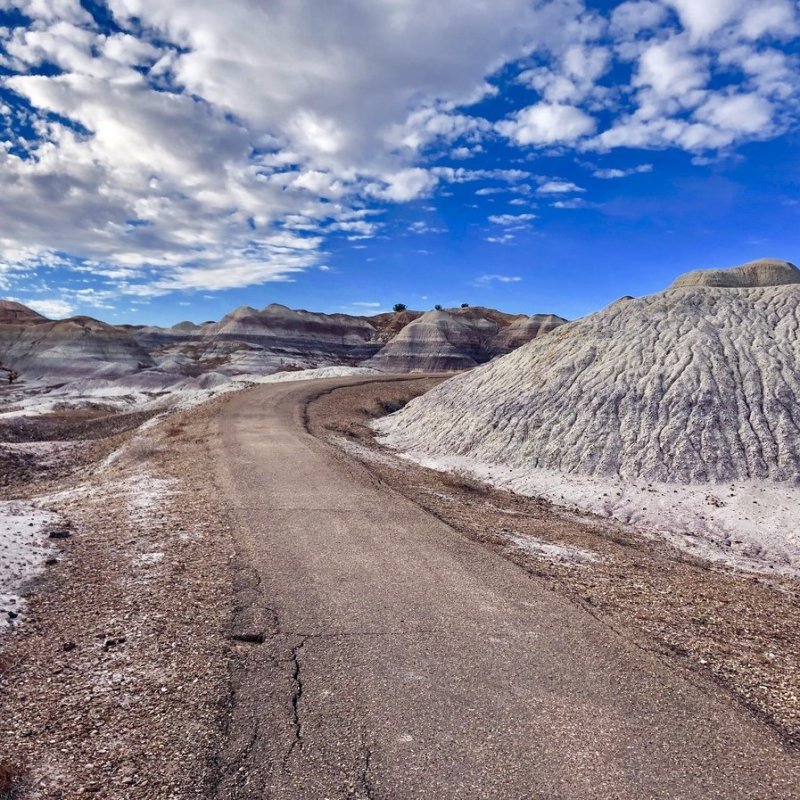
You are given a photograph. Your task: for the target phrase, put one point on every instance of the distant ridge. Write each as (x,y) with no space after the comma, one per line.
(251,341)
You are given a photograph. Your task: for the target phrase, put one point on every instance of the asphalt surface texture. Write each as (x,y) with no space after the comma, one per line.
(381,654)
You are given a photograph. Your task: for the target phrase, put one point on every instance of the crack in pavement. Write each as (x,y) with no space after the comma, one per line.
(365,776)
(297,696)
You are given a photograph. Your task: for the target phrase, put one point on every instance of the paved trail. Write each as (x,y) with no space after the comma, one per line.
(401,660)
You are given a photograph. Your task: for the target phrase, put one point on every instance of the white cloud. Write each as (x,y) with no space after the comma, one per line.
(775,17)
(629,18)
(513,220)
(750,18)
(407,184)
(547,123)
(738,113)
(573,203)
(201,128)
(559,187)
(614,172)
(671,69)
(573,79)
(430,124)
(704,18)
(219,144)
(482,280)
(53,308)
(422,227)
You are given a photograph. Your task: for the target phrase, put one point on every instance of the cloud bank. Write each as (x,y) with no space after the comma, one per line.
(164,146)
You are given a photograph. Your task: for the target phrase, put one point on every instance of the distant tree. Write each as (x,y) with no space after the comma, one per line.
(400,306)
(465,305)
(438,306)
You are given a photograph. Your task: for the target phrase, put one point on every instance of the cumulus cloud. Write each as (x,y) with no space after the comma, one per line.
(752,18)
(170,153)
(546,124)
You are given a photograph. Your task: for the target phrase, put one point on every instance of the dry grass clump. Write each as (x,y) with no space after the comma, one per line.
(382,406)
(175,429)
(141,450)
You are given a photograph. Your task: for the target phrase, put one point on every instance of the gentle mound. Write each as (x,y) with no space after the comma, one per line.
(698,383)
(764,272)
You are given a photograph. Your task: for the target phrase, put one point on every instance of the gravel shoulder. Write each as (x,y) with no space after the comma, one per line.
(738,629)
(116,683)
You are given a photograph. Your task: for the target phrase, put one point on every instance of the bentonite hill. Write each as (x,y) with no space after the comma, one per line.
(697,383)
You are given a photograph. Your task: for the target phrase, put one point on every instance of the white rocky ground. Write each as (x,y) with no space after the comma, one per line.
(750,525)
(642,411)
(24,548)
(138,393)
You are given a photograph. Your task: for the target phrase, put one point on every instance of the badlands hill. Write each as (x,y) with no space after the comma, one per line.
(697,383)
(59,351)
(251,341)
(459,338)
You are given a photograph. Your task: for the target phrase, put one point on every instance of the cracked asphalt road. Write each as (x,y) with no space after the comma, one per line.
(383,655)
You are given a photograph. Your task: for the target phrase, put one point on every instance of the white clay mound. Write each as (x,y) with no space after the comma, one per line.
(698,383)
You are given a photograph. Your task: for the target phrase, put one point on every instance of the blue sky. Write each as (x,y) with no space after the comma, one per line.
(167,160)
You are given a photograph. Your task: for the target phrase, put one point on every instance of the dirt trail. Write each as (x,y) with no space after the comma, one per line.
(387,656)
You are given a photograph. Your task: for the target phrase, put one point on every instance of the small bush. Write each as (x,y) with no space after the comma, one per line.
(438,306)
(466,481)
(400,307)
(465,305)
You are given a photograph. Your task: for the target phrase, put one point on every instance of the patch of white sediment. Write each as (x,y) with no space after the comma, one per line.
(24,548)
(751,525)
(318,373)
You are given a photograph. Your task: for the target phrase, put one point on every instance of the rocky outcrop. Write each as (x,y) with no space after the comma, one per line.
(435,342)
(697,383)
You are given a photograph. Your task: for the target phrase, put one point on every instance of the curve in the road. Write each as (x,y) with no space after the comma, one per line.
(387,656)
